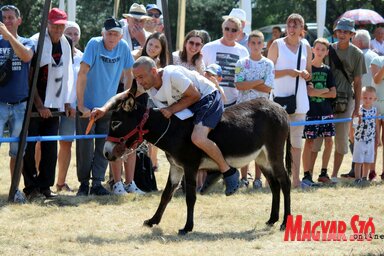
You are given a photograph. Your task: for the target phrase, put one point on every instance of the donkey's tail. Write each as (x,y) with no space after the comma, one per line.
(288,156)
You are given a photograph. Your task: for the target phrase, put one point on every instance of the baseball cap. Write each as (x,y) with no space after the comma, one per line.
(57,16)
(214,69)
(114,25)
(153,7)
(345,24)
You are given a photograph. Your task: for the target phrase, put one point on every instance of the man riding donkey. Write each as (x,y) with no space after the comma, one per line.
(174,89)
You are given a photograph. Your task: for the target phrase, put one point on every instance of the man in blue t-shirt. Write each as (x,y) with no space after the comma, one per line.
(105,59)
(14,92)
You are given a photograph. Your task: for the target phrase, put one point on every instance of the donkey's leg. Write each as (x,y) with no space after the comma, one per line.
(285,183)
(173,181)
(275,188)
(190,197)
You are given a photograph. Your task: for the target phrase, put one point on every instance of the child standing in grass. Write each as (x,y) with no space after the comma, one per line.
(320,108)
(366,135)
(254,76)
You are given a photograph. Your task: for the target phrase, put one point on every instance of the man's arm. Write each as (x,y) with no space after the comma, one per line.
(24,53)
(190,96)
(128,78)
(357,89)
(98,113)
(80,88)
(253,85)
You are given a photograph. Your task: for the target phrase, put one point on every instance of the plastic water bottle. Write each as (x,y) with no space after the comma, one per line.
(355,122)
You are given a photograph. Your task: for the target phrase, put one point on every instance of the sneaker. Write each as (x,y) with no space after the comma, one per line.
(357,182)
(257,184)
(83,190)
(210,180)
(48,193)
(63,188)
(244,183)
(334,180)
(232,182)
(132,188)
(382,176)
(372,175)
(19,197)
(350,175)
(118,189)
(308,182)
(364,182)
(324,178)
(99,190)
(35,193)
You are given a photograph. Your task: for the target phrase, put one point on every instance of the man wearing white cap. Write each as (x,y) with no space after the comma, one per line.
(105,59)
(134,32)
(242,16)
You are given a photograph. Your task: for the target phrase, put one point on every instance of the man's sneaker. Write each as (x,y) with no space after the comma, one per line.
(350,175)
(357,182)
(324,178)
(34,194)
(118,189)
(19,197)
(308,182)
(382,176)
(372,175)
(99,190)
(132,188)
(244,183)
(232,182)
(364,182)
(334,180)
(63,188)
(257,184)
(83,190)
(210,180)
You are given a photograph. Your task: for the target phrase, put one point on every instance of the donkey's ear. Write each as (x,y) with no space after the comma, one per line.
(129,104)
(133,89)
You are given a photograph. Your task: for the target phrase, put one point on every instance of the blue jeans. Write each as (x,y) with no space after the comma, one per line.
(14,116)
(89,152)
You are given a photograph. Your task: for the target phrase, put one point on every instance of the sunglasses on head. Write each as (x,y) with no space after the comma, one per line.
(233,30)
(154,15)
(197,44)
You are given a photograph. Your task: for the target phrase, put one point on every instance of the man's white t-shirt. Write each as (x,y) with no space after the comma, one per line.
(176,80)
(226,57)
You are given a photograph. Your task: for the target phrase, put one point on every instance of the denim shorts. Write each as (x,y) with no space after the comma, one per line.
(67,126)
(13,115)
(208,110)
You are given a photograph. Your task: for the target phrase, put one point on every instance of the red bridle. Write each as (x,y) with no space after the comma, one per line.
(138,129)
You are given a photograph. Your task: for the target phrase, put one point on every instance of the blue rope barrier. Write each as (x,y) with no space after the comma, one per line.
(102,136)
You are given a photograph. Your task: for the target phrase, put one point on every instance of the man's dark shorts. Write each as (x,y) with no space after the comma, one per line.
(208,110)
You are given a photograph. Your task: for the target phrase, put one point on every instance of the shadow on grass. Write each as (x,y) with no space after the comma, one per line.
(158,235)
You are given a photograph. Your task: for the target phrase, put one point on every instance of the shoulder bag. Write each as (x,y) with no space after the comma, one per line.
(289,103)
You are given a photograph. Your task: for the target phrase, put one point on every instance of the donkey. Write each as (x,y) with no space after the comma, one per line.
(255,130)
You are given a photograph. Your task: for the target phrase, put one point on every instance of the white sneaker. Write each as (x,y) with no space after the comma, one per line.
(118,189)
(19,197)
(132,188)
(335,180)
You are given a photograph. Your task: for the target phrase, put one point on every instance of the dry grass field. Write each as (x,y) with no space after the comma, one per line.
(223,225)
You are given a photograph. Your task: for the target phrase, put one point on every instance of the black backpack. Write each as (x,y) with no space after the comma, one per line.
(144,175)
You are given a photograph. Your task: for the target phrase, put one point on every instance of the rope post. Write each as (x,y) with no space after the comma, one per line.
(167,27)
(27,116)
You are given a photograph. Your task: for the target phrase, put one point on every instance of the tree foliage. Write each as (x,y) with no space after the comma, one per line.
(200,14)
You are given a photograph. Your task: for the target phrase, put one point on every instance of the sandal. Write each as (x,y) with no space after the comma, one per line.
(232,183)
(212,178)
(63,187)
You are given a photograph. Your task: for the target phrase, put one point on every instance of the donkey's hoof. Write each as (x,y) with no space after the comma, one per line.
(282,227)
(212,178)
(270,222)
(232,183)
(148,223)
(183,232)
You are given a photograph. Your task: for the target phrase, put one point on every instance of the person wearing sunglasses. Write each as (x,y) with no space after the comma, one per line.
(155,14)
(225,52)
(190,56)
(242,16)
(14,91)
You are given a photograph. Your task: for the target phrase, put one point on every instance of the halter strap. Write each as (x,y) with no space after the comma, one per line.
(138,129)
